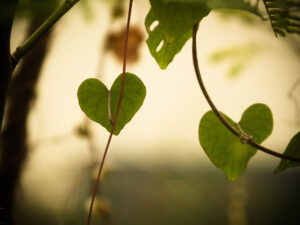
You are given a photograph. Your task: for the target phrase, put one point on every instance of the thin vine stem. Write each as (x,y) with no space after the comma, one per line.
(115,116)
(295,100)
(236,132)
(32,39)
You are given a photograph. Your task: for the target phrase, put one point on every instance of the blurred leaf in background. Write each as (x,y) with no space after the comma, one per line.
(35,8)
(227,15)
(115,43)
(238,57)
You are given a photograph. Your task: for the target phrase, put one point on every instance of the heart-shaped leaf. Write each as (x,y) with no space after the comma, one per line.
(293,149)
(226,150)
(93,97)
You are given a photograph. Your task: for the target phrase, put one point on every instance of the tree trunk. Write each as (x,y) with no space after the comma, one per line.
(14,147)
(8,8)
(7,12)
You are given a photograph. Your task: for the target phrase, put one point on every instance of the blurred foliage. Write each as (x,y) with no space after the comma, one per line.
(87,10)
(117,8)
(294,43)
(115,43)
(238,57)
(228,14)
(35,8)
(284,16)
(293,150)
(82,130)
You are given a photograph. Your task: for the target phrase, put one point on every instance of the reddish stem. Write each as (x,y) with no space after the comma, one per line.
(116,115)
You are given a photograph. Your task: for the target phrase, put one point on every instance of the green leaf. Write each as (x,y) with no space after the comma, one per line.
(175,21)
(226,150)
(293,149)
(93,100)
(227,4)
(284,16)
(177,18)
(165,54)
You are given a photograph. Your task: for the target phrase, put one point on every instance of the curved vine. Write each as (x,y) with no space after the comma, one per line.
(245,138)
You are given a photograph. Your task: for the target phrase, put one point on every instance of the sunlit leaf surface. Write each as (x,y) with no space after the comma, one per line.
(93,100)
(175,19)
(293,149)
(224,149)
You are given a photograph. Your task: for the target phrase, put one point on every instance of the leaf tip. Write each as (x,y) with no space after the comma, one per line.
(116,132)
(162,66)
(231,177)
(277,171)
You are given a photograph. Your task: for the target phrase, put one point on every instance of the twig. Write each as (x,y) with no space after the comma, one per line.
(115,116)
(32,40)
(295,100)
(220,116)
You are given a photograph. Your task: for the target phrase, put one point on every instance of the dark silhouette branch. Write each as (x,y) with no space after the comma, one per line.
(14,147)
(246,139)
(8,8)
